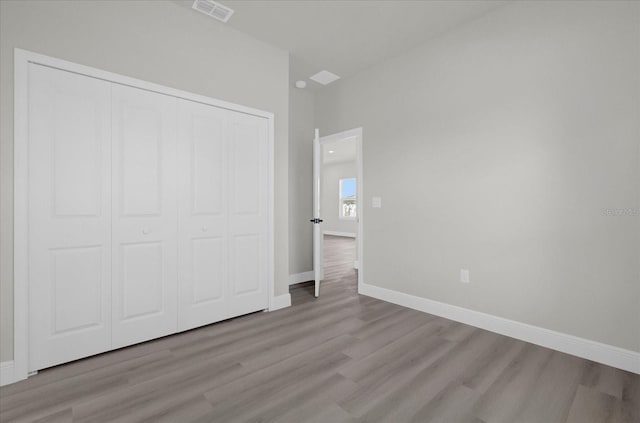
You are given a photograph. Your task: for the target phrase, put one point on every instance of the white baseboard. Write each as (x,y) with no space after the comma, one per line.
(581,347)
(301,277)
(7,374)
(280,301)
(338,233)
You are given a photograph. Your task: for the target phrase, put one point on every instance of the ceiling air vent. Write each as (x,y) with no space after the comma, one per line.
(324,77)
(213,9)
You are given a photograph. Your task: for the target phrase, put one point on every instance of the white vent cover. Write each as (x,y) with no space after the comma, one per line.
(213,9)
(324,77)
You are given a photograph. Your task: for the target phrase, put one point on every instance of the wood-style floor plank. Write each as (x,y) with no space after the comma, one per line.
(340,358)
(592,406)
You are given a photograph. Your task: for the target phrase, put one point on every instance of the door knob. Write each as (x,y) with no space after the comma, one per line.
(146,231)
(316,221)
(205,229)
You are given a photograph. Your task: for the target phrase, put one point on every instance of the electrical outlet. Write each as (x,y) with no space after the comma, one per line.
(464,275)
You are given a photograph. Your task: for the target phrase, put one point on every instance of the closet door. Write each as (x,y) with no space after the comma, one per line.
(69,216)
(202,214)
(144,215)
(248,218)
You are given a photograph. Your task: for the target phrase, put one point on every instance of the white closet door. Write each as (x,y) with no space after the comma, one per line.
(202,214)
(144,215)
(69,216)
(248,219)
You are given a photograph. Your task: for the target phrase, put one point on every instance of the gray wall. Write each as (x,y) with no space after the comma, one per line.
(331,175)
(500,147)
(301,130)
(155,41)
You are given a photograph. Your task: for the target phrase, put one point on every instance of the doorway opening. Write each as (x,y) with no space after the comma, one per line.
(338,222)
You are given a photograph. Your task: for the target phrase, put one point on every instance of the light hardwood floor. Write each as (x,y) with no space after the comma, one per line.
(339,358)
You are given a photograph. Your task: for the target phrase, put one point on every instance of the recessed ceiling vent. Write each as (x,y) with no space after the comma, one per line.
(213,9)
(324,77)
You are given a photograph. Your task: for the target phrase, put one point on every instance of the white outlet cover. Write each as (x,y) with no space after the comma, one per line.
(464,275)
(376,202)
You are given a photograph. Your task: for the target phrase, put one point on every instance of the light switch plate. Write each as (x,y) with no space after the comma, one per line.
(376,202)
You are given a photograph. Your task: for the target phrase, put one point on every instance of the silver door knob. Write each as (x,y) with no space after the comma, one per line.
(146,231)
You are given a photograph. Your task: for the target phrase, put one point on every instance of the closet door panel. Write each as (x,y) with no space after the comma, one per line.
(140,160)
(144,215)
(69,216)
(248,219)
(142,276)
(202,214)
(246,253)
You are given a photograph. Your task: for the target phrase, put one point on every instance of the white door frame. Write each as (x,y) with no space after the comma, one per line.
(22,59)
(340,136)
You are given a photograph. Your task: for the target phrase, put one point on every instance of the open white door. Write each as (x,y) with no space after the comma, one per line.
(317,216)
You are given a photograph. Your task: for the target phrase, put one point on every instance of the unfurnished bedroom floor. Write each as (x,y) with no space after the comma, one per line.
(339,358)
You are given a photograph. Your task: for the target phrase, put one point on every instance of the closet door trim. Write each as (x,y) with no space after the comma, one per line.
(22,59)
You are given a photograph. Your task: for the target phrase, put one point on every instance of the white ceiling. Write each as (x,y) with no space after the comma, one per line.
(343,151)
(345,37)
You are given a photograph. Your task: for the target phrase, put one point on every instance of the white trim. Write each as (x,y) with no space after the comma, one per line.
(20,216)
(581,347)
(340,136)
(356,264)
(338,233)
(7,373)
(280,301)
(271,277)
(30,57)
(301,277)
(22,58)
